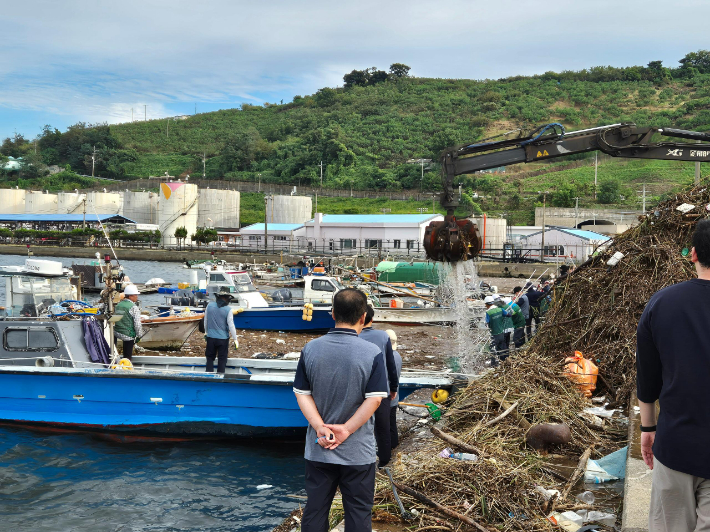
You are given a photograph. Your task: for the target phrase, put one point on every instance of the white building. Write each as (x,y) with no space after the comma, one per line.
(281,236)
(563,243)
(357,232)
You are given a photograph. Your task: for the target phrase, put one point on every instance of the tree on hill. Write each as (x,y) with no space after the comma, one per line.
(699,60)
(609,192)
(399,70)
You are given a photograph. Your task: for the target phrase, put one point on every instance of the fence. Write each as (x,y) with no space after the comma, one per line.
(271,188)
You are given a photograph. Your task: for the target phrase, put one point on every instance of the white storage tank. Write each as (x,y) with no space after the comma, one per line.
(177,207)
(493,232)
(12,201)
(70,203)
(218,208)
(141,207)
(37,202)
(289,209)
(103,203)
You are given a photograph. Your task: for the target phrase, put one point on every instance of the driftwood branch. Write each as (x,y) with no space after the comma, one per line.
(524,423)
(443,509)
(496,420)
(581,466)
(448,438)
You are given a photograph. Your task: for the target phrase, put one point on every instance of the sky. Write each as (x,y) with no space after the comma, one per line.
(69,61)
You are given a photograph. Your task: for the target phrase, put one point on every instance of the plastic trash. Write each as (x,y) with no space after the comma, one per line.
(610,467)
(583,372)
(468,457)
(601,411)
(546,494)
(264,486)
(586,497)
(569,520)
(603,518)
(615,258)
(685,207)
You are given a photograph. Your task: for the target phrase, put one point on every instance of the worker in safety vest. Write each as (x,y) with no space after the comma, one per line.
(129,329)
(494,320)
(518,321)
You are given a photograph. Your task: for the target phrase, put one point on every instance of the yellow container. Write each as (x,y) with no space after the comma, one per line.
(183,286)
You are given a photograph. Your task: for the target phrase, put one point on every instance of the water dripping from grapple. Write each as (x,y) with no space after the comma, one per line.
(452,240)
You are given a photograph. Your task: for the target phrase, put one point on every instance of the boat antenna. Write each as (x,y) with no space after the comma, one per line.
(106,235)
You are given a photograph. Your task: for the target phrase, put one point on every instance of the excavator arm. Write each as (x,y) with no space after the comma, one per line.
(453,240)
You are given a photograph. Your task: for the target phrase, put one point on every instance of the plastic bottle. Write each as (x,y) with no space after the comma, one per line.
(586,497)
(464,456)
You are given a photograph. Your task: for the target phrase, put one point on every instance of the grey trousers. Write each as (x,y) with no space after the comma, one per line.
(679,502)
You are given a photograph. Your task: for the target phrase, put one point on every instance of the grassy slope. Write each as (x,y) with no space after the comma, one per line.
(380,127)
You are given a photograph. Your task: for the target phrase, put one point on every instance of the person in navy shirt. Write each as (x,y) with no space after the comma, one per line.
(673,368)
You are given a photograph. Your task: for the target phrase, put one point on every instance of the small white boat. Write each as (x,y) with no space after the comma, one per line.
(168,333)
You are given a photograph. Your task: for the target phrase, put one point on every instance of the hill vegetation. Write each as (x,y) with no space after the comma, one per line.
(365,132)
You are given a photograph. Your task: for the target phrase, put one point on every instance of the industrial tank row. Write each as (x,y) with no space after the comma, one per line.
(176,204)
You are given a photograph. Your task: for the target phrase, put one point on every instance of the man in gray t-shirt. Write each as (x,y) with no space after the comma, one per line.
(339,383)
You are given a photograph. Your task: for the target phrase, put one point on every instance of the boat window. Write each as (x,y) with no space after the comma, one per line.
(338,284)
(217,278)
(30,339)
(243,282)
(322,286)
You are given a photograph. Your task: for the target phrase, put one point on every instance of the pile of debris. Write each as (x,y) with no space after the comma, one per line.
(595,311)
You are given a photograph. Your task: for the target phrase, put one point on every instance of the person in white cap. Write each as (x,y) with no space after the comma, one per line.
(394,435)
(129,329)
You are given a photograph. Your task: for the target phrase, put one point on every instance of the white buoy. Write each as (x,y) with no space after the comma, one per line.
(193,277)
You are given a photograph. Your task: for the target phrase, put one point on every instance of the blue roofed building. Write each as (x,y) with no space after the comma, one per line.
(563,244)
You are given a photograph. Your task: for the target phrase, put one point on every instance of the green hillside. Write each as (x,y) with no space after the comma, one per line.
(365,132)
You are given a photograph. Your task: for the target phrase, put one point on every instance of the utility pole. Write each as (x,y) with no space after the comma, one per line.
(576,212)
(266,223)
(93,161)
(697,171)
(259,175)
(321,174)
(544,208)
(204,162)
(596,161)
(316,202)
(84,224)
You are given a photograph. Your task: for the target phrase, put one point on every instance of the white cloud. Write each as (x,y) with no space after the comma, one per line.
(80,59)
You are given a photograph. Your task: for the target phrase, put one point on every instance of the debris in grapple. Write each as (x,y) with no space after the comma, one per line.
(452,240)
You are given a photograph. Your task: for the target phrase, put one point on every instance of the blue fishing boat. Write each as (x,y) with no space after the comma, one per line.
(49,380)
(251,310)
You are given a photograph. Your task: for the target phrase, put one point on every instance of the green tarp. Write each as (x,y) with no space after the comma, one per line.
(405,272)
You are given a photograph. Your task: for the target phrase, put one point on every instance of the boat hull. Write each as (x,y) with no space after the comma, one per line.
(176,402)
(286,319)
(114,402)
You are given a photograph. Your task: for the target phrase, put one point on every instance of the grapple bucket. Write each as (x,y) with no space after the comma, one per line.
(452,240)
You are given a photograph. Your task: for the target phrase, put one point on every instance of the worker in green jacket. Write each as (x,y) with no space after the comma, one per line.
(494,319)
(518,322)
(129,329)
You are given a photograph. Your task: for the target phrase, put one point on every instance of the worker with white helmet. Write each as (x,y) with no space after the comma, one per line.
(129,329)
(494,320)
